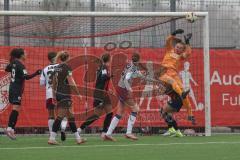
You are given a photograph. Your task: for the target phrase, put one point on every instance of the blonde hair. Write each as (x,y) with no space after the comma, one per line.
(62,56)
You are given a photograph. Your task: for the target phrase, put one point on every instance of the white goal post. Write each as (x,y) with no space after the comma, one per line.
(205,36)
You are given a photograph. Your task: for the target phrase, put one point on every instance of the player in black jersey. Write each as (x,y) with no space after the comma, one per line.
(46,80)
(63,84)
(18,76)
(102,102)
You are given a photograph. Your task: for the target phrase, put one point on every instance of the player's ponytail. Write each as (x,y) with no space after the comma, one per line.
(63,56)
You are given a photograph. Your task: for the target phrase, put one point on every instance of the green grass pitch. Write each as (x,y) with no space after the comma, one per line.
(217,147)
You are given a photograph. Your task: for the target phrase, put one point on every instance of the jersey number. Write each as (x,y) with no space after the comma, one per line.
(50,78)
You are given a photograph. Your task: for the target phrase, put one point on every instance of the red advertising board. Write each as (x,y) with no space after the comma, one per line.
(225,81)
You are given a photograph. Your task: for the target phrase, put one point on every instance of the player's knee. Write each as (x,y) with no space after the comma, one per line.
(59,118)
(51,117)
(16,108)
(109,114)
(51,114)
(118,116)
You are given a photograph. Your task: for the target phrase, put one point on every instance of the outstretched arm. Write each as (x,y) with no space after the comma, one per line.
(28,77)
(42,79)
(73,85)
(188,50)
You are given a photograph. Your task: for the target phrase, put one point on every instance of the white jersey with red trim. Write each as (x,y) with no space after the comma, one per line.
(46,79)
(130,71)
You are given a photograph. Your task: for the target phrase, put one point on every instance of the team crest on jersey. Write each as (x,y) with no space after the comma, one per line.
(4,85)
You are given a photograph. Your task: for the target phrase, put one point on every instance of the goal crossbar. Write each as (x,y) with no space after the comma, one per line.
(99,14)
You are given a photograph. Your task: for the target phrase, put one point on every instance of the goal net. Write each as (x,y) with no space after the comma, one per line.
(87,35)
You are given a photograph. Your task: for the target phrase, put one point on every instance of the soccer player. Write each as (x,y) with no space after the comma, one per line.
(46,80)
(124,92)
(18,76)
(63,84)
(101,101)
(174,55)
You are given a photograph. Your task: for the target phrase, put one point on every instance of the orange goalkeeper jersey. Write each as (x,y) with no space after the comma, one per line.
(171,60)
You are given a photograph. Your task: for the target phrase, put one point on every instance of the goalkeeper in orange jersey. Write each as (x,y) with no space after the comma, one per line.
(176,52)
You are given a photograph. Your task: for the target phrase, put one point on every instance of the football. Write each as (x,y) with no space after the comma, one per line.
(191,17)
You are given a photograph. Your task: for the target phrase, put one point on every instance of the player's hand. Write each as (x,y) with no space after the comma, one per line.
(192,119)
(178,31)
(187,38)
(38,72)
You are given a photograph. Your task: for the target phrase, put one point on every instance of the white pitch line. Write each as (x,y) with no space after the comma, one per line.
(121,145)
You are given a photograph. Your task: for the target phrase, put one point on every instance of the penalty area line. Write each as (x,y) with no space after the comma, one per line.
(119,145)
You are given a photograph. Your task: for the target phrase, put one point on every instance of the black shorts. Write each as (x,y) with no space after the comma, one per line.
(176,102)
(101,102)
(64,101)
(15,97)
(50,104)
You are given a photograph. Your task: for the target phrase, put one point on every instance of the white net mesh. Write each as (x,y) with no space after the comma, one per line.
(87,36)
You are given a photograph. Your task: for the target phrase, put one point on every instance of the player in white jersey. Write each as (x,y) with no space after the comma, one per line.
(46,80)
(124,92)
(187,78)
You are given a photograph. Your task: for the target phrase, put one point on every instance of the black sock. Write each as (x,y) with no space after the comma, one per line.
(89,121)
(171,122)
(107,122)
(174,124)
(13,119)
(57,124)
(72,124)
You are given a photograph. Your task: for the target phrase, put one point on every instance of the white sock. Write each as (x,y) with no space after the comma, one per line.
(50,124)
(79,130)
(131,121)
(9,129)
(53,136)
(77,136)
(113,125)
(64,124)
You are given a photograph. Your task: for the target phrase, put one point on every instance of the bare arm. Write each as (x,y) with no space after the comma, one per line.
(73,85)
(187,52)
(42,79)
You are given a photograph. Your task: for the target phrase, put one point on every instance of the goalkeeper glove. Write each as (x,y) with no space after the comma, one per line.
(187,38)
(178,31)
(192,119)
